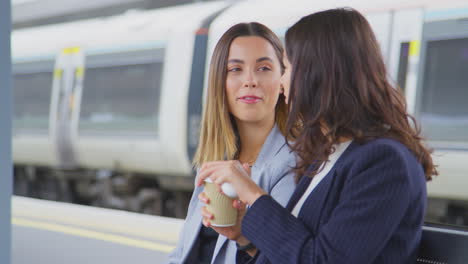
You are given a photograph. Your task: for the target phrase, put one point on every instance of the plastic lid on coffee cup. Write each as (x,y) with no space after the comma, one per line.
(227,188)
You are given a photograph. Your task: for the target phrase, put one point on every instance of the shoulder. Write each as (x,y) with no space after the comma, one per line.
(280,168)
(276,153)
(274,163)
(283,159)
(285,154)
(385,157)
(275,167)
(377,149)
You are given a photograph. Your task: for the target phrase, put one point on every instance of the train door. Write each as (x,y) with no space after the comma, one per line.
(66,94)
(404,52)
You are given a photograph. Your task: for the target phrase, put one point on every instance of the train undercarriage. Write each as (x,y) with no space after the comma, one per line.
(108,189)
(156,196)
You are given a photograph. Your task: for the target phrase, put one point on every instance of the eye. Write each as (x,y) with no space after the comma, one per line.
(264,68)
(234,69)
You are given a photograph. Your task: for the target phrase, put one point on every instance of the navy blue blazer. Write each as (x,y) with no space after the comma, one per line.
(368,209)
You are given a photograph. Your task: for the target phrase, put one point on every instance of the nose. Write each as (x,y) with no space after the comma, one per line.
(251,81)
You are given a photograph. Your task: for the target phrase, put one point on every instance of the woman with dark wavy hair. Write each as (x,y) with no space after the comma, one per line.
(362,173)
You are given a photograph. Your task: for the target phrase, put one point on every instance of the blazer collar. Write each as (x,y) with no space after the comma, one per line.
(305,181)
(272,145)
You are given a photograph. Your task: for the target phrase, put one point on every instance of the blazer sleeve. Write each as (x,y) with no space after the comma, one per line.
(373,201)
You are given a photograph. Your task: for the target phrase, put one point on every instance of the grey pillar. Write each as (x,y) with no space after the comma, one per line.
(6,177)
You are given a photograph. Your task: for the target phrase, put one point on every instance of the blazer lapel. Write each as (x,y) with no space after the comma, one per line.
(195,225)
(300,189)
(273,144)
(315,204)
(220,243)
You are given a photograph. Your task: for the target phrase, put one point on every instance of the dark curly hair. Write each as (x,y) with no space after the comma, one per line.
(339,81)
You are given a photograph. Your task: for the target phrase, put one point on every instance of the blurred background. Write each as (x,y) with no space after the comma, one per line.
(33,13)
(108,94)
(107,106)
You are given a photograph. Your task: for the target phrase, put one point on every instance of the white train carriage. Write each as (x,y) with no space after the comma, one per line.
(118,94)
(111,102)
(425,46)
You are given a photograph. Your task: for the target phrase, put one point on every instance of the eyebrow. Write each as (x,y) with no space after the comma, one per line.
(264,59)
(242,62)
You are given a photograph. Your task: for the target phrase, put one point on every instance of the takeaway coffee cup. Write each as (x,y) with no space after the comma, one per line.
(220,204)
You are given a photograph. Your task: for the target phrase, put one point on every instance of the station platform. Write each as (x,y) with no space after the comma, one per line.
(53,232)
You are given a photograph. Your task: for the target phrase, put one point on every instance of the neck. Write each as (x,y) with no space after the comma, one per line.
(252,136)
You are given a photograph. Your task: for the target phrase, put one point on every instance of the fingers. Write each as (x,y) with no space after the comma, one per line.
(247,168)
(207,216)
(213,170)
(239,205)
(207,171)
(202,176)
(219,180)
(203,198)
(206,223)
(236,204)
(218,186)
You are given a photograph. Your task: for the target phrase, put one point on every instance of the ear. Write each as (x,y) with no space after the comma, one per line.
(281,89)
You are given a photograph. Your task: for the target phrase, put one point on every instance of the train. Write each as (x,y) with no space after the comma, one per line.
(107,111)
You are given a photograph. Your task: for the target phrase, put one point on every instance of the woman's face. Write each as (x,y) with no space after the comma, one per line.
(253,80)
(286,78)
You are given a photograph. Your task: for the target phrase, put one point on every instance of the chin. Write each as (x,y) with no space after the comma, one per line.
(250,119)
(252,116)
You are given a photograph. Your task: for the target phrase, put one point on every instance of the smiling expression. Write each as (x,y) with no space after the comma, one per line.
(253,79)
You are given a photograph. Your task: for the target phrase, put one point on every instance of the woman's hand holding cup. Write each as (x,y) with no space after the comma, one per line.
(231,232)
(229,177)
(233,172)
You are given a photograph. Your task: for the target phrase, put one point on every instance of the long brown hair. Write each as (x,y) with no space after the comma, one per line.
(218,137)
(339,81)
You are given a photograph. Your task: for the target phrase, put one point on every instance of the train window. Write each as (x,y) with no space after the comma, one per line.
(444,111)
(121,98)
(32,92)
(403,65)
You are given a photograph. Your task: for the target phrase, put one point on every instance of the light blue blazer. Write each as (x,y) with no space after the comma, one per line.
(272,172)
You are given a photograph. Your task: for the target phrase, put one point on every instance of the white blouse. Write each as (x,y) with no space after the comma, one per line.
(339,149)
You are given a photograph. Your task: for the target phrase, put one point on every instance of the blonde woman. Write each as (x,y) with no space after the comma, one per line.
(245,120)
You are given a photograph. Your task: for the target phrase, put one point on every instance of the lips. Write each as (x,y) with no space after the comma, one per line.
(249,99)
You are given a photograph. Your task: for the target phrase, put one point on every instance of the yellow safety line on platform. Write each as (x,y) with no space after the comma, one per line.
(110,227)
(92,234)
